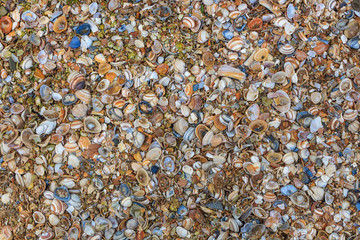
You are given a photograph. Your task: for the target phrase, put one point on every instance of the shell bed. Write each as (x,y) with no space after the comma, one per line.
(179,119)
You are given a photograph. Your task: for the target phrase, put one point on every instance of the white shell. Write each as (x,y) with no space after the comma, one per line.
(45,127)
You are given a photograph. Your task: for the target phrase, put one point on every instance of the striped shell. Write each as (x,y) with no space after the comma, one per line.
(235,44)
(286,49)
(227,71)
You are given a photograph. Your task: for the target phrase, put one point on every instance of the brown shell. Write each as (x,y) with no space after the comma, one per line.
(60,24)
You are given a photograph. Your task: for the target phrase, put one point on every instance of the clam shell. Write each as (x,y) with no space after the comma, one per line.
(235,44)
(286,49)
(258,126)
(203,36)
(279,77)
(290,158)
(60,24)
(92,125)
(300,199)
(142,177)
(252,168)
(228,71)
(84,95)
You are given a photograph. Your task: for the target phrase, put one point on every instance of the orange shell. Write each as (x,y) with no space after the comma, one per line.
(5,24)
(255,24)
(60,25)
(162,69)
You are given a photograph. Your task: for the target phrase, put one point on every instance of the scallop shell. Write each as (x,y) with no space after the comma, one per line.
(269,197)
(235,44)
(92,125)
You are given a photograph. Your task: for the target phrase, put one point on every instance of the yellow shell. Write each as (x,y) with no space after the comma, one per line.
(60,24)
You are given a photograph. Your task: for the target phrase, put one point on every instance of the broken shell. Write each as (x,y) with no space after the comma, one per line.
(227,71)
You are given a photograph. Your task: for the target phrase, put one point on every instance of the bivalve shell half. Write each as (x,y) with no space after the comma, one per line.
(235,44)
(258,126)
(228,71)
(92,125)
(286,49)
(84,95)
(290,158)
(300,199)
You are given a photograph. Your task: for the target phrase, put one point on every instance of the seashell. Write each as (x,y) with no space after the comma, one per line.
(51,115)
(350,115)
(203,36)
(257,231)
(96,104)
(76,80)
(352,29)
(268,17)
(45,92)
(84,95)
(316,97)
(182,232)
(188,223)
(181,126)
(113,5)
(274,157)
(227,71)
(208,59)
(163,12)
(201,131)
(258,126)
(38,217)
(45,127)
(142,177)
(261,54)
(354,126)
(58,207)
(69,99)
(300,199)
(279,77)
(260,213)
(6,24)
(345,85)
(269,197)
(54,220)
(321,47)
(290,158)
(316,193)
(286,49)
(281,101)
(60,24)
(252,168)
(280,22)
(235,44)
(255,24)
(83,29)
(103,85)
(145,107)
(270,7)
(334,123)
(79,110)
(104,68)
(27,63)
(233,225)
(191,22)
(92,125)
(29,16)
